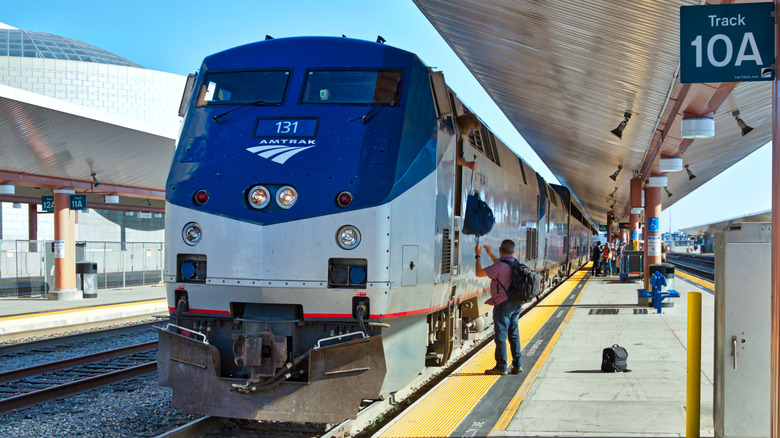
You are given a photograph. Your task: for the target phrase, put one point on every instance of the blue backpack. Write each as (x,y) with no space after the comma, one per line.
(479,218)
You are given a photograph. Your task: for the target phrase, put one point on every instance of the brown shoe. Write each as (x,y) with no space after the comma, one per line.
(496,371)
(517,370)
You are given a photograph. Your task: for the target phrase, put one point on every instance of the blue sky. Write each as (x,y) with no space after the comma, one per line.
(174,36)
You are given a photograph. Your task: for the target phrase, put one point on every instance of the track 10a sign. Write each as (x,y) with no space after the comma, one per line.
(727,43)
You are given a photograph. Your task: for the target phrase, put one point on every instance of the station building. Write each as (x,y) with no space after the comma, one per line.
(77,81)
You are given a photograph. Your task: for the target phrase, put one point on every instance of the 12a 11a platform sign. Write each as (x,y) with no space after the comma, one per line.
(727,43)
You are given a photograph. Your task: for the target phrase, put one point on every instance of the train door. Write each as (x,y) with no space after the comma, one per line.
(447,189)
(409,266)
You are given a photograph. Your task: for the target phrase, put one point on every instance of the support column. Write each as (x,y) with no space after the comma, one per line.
(32,226)
(609,227)
(652,232)
(64,248)
(774,349)
(633,229)
(636,210)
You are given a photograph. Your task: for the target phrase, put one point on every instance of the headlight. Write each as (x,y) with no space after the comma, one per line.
(191,233)
(348,237)
(258,197)
(286,197)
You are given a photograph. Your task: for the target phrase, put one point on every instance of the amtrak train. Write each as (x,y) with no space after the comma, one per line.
(314,248)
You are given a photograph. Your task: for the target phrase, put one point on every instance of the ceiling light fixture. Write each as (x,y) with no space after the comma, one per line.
(617,172)
(95,182)
(742,125)
(619,130)
(690,174)
(693,126)
(668,193)
(657,181)
(673,164)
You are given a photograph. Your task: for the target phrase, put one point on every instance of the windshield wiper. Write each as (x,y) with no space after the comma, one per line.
(389,101)
(243,105)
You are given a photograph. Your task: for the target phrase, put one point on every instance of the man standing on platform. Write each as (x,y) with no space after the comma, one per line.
(595,257)
(505,312)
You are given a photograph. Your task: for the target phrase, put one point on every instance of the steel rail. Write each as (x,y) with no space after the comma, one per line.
(41,343)
(75,361)
(193,428)
(70,388)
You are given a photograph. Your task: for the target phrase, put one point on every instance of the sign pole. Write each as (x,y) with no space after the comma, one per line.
(775,325)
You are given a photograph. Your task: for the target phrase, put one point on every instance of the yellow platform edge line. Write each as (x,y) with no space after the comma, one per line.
(699,281)
(422,421)
(514,405)
(79,309)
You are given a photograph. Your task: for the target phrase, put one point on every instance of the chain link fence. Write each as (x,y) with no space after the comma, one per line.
(27,266)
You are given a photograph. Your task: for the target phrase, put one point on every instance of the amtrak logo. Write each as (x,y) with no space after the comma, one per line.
(279,151)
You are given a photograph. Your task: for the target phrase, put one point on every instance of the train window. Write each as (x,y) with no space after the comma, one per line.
(244,87)
(352,87)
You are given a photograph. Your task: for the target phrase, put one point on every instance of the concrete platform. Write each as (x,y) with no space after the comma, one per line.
(562,391)
(20,315)
(572,397)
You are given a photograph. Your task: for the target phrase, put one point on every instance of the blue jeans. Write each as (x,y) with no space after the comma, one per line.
(505,316)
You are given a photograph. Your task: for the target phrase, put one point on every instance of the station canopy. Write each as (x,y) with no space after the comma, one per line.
(565,73)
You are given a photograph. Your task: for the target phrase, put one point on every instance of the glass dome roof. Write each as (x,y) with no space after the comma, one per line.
(29,44)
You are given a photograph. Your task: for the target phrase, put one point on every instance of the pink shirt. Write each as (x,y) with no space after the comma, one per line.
(499,271)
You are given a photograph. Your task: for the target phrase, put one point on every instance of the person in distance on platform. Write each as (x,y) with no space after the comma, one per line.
(595,257)
(606,259)
(505,312)
(467,123)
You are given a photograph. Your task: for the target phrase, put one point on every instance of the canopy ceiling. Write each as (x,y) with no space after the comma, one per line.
(565,72)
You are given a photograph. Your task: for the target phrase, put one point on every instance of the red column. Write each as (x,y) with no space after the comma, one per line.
(633,228)
(32,226)
(652,231)
(64,248)
(636,210)
(609,227)
(774,349)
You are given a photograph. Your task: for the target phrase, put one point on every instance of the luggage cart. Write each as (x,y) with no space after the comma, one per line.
(632,265)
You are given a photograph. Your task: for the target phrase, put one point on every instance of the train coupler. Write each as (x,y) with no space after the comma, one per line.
(263,353)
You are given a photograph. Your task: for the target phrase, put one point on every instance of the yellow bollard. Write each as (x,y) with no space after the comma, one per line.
(693,396)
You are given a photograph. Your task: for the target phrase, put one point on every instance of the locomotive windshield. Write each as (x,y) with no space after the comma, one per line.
(352,87)
(243,87)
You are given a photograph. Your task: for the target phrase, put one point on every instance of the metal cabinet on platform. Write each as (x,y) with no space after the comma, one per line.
(742,331)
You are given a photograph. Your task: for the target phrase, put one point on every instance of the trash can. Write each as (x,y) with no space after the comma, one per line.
(87,271)
(667,269)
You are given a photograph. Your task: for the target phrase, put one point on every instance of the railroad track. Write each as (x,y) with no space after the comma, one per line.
(40,383)
(217,426)
(701,266)
(57,341)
